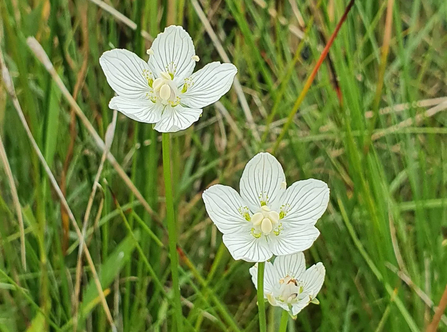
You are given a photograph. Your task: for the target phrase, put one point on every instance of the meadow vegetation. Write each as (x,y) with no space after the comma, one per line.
(372,126)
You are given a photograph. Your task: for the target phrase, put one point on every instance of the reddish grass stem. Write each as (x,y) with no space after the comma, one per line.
(311,77)
(438,314)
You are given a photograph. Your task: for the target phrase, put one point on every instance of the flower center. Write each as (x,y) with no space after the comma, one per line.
(165,89)
(290,290)
(265,221)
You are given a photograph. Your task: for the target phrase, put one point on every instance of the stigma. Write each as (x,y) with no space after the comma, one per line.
(265,220)
(164,87)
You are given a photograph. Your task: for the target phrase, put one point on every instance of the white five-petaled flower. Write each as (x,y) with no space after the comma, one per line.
(267,219)
(164,90)
(287,283)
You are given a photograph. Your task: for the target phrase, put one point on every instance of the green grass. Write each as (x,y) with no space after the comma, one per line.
(383,239)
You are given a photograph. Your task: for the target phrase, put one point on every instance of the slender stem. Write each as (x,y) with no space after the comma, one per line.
(172,230)
(438,313)
(171,8)
(382,69)
(284,321)
(261,302)
(311,77)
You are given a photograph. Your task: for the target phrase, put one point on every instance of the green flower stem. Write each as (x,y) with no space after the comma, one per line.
(284,321)
(261,302)
(172,230)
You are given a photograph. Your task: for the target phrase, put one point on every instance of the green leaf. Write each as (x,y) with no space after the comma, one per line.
(109,270)
(38,323)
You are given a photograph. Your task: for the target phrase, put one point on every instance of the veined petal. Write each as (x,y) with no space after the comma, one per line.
(177,118)
(244,246)
(261,181)
(304,202)
(172,51)
(141,110)
(300,305)
(225,208)
(290,265)
(209,84)
(254,274)
(126,73)
(293,239)
(313,279)
(270,278)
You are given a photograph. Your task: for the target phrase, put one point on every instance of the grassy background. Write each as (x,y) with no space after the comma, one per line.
(381,150)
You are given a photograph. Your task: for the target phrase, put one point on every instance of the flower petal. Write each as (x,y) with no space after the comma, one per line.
(271,279)
(262,181)
(172,52)
(293,239)
(209,84)
(177,118)
(313,279)
(254,274)
(243,245)
(225,208)
(290,265)
(304,202)
(300,305)
(126,73)
(142,110)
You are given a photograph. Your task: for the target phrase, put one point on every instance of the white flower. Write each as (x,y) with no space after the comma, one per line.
(287,283)
(267,219)
(164,90)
